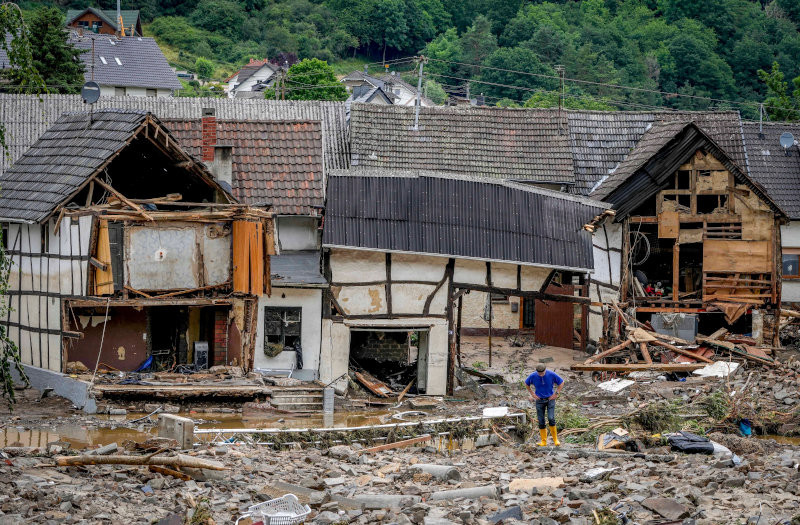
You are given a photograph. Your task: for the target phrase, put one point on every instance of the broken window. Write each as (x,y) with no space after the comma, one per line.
(281,329)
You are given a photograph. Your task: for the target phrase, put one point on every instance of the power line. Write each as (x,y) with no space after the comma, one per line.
(605,84)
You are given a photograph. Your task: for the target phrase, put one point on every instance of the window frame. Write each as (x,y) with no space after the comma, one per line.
(284,312)
(796,253)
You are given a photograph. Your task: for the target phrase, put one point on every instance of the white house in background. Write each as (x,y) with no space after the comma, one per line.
(132,66)
(250,81)
(401,92)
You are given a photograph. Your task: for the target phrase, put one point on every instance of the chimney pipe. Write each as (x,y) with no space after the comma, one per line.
(209,135)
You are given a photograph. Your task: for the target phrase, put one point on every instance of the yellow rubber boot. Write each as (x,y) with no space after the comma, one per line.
(554,433)
(543,435)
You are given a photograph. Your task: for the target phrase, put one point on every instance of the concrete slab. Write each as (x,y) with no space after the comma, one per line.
(74,390)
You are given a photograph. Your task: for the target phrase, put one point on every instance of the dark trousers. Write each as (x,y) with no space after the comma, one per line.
(550,405)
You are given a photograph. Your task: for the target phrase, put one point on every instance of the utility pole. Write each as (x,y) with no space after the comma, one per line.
(560,70)
(419,93)
(278,83)
(466,90)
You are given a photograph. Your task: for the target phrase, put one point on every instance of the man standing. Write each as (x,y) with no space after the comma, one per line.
(542,381)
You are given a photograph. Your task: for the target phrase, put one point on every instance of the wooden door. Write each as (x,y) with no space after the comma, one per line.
(555,320)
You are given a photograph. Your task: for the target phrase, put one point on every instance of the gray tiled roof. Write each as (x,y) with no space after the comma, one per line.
(452,215)
(65,156)
(274,162)
(489,142)
(26,117)
(769,165)
(654,138)
(142,62)
(600,140)
(296,268)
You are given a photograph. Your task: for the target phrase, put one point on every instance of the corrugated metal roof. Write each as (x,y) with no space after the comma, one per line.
(62,159)
(769,164)
(451,215)
(296,268)
(26,117)
(274,162)
(488,142)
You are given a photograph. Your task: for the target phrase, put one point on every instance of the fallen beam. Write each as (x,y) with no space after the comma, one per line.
(623,367)
(179,460)
(681,351)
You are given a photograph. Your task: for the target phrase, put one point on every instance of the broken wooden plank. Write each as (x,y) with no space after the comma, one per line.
(397,444)
(645,353)
(623,367)
(98,264)
(718,334)
(683,351)
(178,460)
(608,352)
(123,198)
(376,387)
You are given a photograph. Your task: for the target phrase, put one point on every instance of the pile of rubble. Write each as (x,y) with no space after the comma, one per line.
(645,349)
(424,485)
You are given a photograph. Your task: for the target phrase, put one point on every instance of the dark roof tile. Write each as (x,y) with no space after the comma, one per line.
(770,166)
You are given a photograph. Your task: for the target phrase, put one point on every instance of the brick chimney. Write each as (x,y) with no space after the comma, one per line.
(209,134)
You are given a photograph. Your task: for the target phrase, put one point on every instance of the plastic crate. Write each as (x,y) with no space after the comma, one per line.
(285,510)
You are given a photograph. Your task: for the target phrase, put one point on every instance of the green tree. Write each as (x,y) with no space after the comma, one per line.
(309,79)
(193,89)
(444,50)
(478,42)
(220,16)
(23,71)
(779,103)
(204,68)
(54,58)
(549,99)
(503,82)
(434,91)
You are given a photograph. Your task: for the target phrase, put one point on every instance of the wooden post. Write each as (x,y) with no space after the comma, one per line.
(490,329)
(458,329)
(676,270)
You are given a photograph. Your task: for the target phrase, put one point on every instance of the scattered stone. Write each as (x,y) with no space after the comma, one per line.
(666,507)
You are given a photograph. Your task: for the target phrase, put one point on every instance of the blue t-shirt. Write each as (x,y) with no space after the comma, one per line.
(543,386)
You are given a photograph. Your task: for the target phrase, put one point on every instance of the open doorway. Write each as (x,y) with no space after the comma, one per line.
(397,356)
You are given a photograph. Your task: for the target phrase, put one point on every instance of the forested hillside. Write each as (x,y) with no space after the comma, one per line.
(706,48)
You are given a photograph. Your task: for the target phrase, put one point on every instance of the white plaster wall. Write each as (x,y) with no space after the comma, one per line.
(468,271)
(50,275)
(350,266)
(607,254)
(336,348)
(533,277)
(361,300)
(265,73)
(334,353)
(790,238)
(310,300)
(410,267)
(110,91)
(410,298)
(297,233)
(504,275)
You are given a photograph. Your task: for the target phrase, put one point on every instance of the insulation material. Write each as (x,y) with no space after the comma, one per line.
(690,236)
(103,280)
(248,257)
(717,180)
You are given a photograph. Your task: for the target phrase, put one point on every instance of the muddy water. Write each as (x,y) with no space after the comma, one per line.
(784,440)
(84,434)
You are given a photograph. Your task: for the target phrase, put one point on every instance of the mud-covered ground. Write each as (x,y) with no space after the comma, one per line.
(510,480)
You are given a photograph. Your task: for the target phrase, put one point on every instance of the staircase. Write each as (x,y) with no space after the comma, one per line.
(304,398)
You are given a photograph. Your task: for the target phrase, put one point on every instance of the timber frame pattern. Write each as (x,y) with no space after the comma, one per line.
(75,255)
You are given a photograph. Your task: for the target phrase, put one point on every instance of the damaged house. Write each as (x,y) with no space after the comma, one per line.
(402,249)
(275,164)
(698,238)
(127,253)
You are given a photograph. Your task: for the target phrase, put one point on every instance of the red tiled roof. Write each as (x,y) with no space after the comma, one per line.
(274,162)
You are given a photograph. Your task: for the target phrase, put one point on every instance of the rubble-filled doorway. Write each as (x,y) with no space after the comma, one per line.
(395,356)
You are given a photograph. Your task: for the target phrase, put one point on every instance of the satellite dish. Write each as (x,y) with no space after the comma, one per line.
(91,92)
